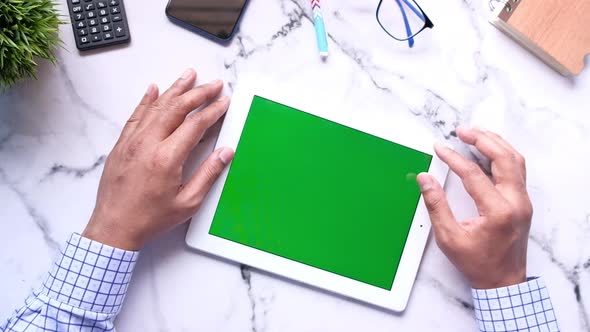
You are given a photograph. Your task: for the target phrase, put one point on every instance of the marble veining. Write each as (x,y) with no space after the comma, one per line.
(75,171)
(40,221)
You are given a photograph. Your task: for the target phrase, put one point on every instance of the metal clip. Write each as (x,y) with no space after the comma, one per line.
(508,7)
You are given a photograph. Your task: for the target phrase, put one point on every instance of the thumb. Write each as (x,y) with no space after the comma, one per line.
(200,183)
(442,218)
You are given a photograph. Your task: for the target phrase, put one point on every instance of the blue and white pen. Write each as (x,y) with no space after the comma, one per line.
(320,28)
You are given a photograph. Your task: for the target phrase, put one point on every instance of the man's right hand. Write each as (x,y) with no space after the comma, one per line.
(489,249)
(142,192)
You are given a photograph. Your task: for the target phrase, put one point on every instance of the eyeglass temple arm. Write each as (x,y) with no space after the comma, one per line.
(406,23)
(416,11)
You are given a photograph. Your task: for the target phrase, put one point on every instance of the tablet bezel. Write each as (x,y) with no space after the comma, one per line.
(198,236)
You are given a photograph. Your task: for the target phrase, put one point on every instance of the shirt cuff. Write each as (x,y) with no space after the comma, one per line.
(515,308)
(90,275)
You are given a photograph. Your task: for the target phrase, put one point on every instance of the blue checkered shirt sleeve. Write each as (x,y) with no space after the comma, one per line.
(522,307)
(83,291)
(87,284)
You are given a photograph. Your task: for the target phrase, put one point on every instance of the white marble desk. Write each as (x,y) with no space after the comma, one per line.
(55,133)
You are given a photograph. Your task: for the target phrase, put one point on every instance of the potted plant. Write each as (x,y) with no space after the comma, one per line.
(28,32)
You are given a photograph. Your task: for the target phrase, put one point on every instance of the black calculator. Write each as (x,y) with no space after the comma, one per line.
(98,23)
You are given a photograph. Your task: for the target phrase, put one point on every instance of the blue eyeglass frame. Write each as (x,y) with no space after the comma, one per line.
(418,11)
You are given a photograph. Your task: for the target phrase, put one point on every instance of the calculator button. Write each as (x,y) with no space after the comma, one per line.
(119,30)
(97,23)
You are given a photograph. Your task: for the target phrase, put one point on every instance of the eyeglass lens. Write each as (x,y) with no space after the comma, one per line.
(403,19)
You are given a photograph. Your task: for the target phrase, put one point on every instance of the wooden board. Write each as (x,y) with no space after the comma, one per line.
(558,31)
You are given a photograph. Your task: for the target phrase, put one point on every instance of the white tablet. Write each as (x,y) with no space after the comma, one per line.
(317,199)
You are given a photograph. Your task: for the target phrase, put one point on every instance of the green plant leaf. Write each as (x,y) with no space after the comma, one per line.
(28,31)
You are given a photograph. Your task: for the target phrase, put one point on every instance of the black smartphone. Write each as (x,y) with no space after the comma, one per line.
(215,19)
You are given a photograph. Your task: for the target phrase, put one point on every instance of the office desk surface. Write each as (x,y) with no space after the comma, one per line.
(56,132)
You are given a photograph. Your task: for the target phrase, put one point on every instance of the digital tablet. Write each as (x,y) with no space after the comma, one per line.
(316,199)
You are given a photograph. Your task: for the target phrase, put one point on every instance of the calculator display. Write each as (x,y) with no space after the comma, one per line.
(216,17)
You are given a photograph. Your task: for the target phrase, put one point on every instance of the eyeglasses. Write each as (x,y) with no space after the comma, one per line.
(402,19)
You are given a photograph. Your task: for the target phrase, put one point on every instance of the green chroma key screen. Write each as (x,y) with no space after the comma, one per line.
(319,193)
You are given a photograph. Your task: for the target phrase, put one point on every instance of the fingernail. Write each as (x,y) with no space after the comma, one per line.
(478,128)
(443,145)
(187,73)
(150,89)
(226,155)
(216,83)
(424,181)
(223,99)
